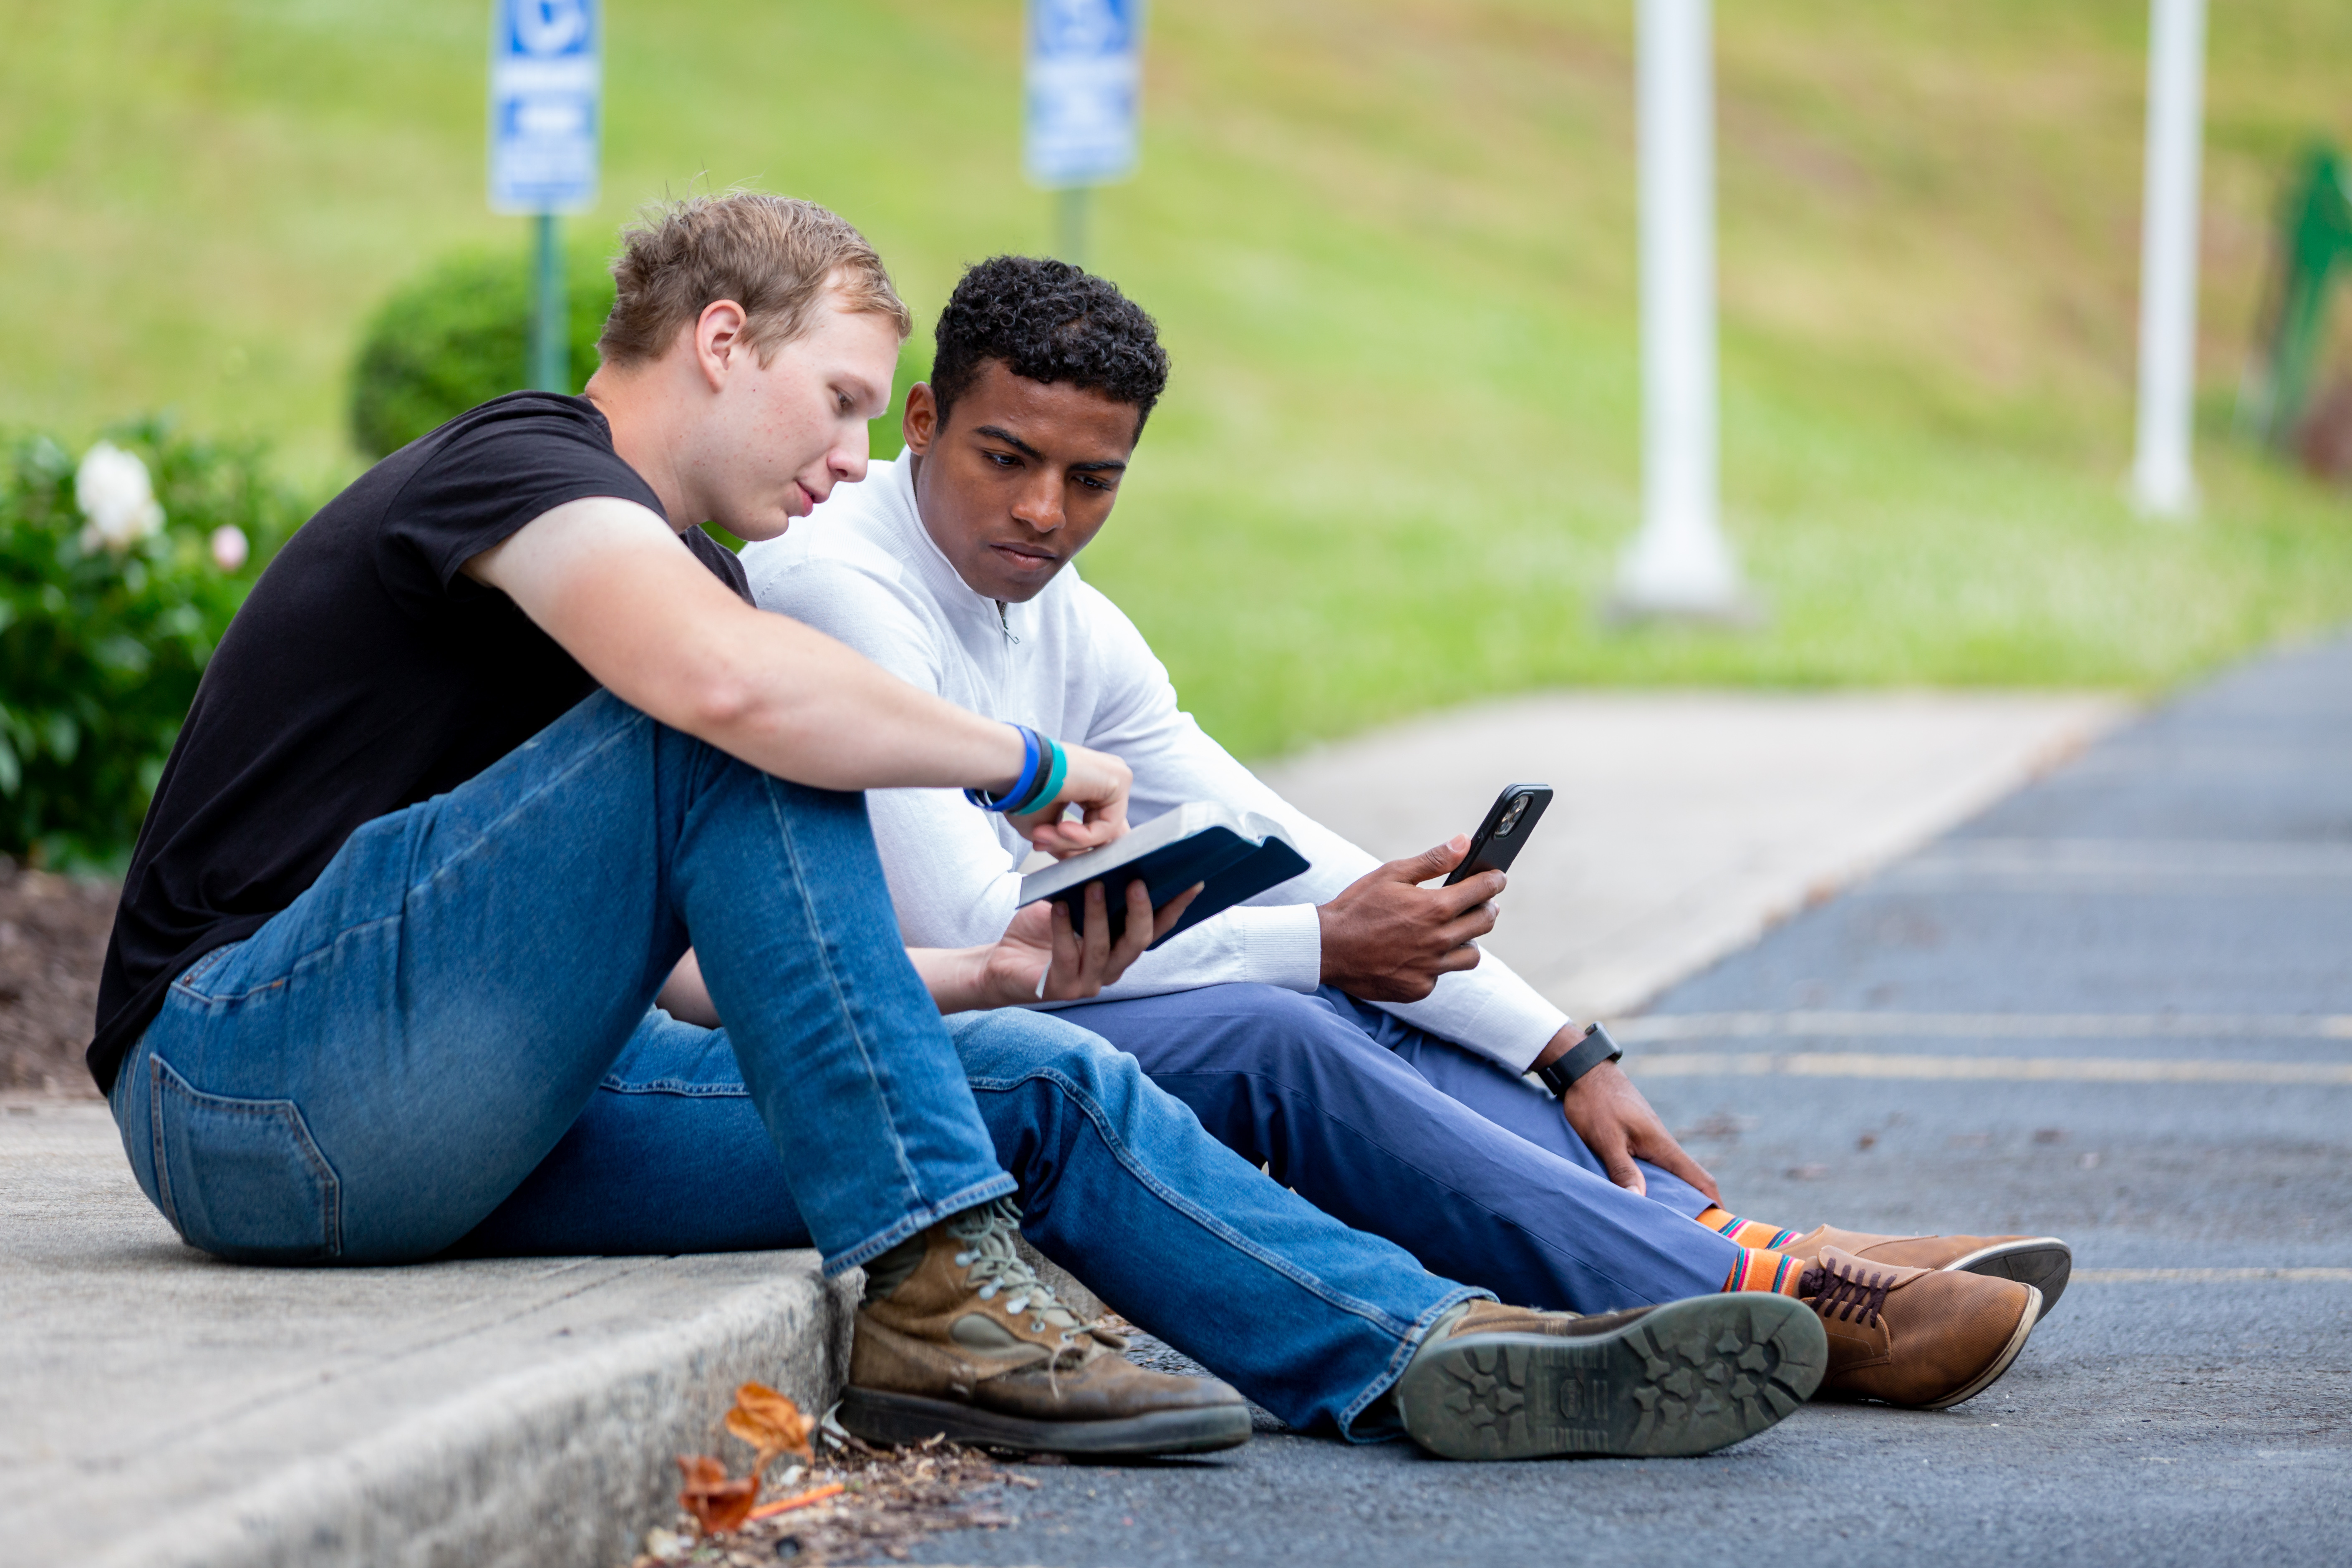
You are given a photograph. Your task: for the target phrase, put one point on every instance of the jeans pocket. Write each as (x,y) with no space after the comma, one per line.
(242,1179)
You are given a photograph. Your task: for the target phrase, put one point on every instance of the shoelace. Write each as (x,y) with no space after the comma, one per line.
(1846,1295)
(993,1265)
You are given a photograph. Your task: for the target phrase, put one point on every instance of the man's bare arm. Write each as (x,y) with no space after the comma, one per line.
(607,580)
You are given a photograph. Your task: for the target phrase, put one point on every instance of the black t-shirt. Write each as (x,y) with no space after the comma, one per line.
(364,674)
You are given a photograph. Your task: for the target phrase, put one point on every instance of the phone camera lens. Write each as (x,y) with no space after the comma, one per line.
(1511,817)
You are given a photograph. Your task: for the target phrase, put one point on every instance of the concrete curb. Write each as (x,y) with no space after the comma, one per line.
(160,1409)
(558,1465)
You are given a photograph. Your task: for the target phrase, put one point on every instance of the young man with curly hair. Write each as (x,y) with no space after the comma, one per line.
(1342,1028)
(499,734)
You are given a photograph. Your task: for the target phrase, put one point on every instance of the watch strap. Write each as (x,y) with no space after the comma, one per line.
(1588,1053)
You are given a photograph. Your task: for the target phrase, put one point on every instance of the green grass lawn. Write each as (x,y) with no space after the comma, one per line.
(1392,245)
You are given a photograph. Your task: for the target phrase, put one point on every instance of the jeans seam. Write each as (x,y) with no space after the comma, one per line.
(155,1143)
(824,955)
(1144,1177)
(481,836)
(925,1216)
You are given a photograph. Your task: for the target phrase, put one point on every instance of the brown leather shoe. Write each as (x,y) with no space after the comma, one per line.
(973,1345)
(1689,1377)
(1921,1337)
(2043,1262)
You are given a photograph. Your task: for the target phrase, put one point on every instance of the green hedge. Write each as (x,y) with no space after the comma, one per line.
(103,642)
(460,336)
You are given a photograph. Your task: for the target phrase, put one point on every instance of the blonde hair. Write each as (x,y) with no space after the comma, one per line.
(777,257)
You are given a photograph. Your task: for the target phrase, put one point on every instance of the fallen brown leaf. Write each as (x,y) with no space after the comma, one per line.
(771,1423)
(717,1504)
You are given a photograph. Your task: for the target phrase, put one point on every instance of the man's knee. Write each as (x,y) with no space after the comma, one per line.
(1001,1048)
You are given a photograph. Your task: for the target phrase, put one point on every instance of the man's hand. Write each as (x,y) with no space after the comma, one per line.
(1040,944)
(1617,1125)
(1388,939)
(1096,782)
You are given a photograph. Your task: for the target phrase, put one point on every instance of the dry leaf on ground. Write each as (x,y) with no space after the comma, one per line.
(771,1423)
(717,1504)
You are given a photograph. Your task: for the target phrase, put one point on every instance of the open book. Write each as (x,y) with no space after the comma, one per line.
(1235,855)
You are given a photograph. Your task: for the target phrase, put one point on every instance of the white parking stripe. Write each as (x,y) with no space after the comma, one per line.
(1986,1025)
(2207,1276)
(2018,1069)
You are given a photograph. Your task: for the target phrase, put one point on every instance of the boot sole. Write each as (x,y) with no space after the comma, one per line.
(894,1418)
(1687,1378)
(2043,1262)
(1999,1364)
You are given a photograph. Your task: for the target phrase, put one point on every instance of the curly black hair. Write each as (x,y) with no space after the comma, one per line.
(1048,321)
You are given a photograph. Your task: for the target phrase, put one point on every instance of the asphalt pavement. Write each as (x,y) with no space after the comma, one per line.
(2118,1007)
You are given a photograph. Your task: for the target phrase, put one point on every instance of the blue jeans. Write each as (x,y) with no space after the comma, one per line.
(371,1076)
(1470,1168)
(1117,1184)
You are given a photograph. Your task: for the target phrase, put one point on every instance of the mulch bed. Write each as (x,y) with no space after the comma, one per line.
(53,933)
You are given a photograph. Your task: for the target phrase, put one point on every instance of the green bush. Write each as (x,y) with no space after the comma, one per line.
(460,336)
(108,614)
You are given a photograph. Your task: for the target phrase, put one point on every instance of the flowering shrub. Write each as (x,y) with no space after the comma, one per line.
(118,574)
(460,336)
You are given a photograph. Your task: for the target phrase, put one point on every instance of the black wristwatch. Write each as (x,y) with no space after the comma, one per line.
(1588,1053)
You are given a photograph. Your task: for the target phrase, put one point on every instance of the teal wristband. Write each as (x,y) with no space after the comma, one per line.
(1050,786)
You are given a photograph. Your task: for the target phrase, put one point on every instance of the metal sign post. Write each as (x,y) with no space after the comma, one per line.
(2163,482)
(1083,83)
(1679,564)
(546,82)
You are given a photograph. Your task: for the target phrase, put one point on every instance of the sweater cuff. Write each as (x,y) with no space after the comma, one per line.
(1282,945)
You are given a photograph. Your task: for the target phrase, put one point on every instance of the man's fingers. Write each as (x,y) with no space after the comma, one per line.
(1663,1151)
(1174,910)
(1466,894)
(1467,926)
(1434,862)
(1618,1161)
(1454,960)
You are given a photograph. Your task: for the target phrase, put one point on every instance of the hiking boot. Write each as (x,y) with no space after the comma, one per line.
(1921,1337)
(969,1344)
(1690,1377)
(2043,1262)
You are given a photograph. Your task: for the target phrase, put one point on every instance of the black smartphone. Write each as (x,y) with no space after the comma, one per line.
(1508,823)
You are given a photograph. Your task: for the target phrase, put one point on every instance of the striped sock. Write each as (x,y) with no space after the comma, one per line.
(1758,1270)
(1743,1232)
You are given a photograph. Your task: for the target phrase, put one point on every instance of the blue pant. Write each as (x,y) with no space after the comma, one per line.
(372,1074)
(1471,1169)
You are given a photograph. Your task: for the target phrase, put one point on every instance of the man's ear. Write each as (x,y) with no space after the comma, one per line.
(922,424)
(719,344)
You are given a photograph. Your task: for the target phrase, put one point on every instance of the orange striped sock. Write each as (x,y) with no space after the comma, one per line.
(1743,1232)
(1758,1270)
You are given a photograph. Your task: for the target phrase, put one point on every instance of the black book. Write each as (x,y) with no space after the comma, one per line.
(1234,856)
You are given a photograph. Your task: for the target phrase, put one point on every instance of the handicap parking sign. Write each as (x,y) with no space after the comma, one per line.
(1084,79)
(546,76)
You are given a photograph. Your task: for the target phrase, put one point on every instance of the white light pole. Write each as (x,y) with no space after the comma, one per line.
(2162,484)
(1679,564)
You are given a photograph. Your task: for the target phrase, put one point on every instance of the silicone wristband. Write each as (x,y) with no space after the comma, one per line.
(1033,750)
(1051,787)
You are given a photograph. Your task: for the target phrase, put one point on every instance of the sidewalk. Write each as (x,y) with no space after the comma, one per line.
(157,1407)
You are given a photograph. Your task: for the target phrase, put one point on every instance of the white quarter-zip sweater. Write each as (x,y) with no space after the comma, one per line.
(1068,663)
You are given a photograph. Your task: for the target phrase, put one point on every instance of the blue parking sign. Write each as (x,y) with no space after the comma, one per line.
(1085,77)
(546,77)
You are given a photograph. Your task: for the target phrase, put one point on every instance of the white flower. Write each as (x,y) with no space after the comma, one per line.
(229,548)
(113,492)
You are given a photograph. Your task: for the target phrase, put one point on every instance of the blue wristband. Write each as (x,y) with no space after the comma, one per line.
(1033,751)
(1047,787)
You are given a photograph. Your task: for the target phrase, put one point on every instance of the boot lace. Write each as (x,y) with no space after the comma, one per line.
(1846,1294)
(993,1265)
